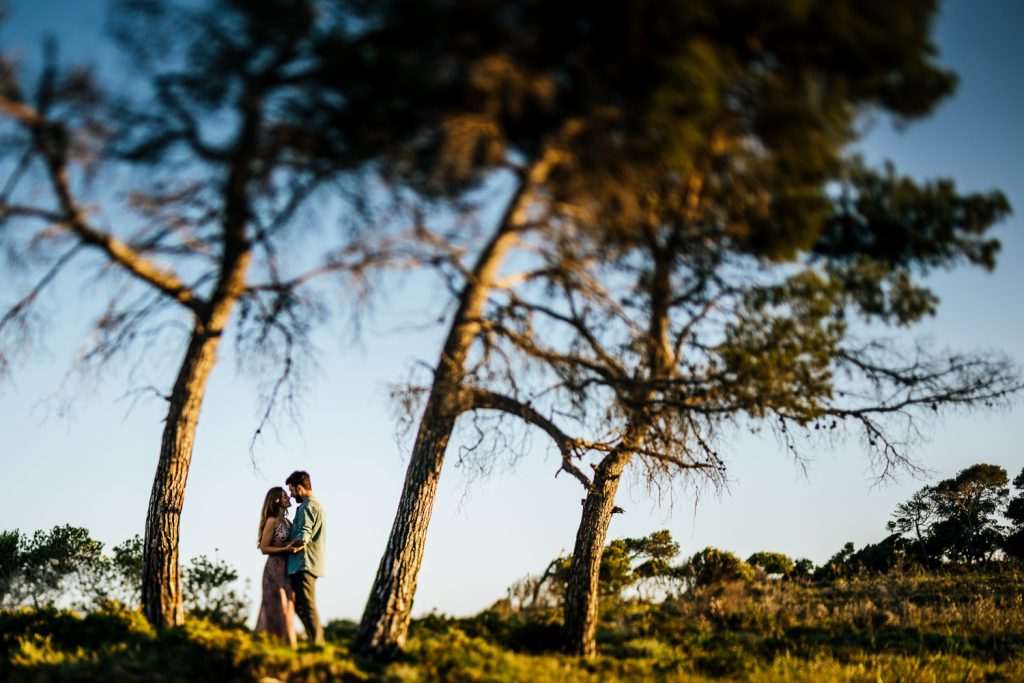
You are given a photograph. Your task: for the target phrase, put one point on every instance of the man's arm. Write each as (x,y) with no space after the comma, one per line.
(298,523)
(309,523)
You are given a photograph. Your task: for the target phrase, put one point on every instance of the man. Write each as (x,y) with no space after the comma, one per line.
(306,563)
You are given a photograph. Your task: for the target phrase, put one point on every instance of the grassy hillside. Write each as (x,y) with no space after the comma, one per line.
(896,627)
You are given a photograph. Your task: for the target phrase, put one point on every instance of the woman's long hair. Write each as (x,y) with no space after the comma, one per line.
(271,509)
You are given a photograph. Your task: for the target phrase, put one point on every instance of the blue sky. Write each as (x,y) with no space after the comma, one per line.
(93,465)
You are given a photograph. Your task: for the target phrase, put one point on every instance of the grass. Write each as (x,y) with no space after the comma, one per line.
(901,627)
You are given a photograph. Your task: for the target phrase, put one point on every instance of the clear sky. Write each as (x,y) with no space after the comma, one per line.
(93,465)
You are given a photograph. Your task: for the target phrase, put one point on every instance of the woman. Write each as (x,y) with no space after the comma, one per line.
(277,608)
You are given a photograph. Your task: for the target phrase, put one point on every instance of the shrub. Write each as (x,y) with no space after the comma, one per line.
(773,563)
(712,566)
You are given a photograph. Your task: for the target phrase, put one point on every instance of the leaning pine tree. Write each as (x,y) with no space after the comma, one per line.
(731,291)
(217,152)
(704,246)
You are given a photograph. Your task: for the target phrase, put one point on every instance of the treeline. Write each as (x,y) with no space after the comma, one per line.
(971,519)
(974,518)
(66,568)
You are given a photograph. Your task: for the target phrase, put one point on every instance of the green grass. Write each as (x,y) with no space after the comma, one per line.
(901,627)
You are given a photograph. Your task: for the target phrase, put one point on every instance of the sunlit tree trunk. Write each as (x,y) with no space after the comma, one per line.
(161,579)
(581,595)
(385,620)
(161,584)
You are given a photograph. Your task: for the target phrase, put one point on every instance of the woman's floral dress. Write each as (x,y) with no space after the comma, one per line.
(277,607)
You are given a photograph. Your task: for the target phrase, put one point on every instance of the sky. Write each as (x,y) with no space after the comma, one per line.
(90,461)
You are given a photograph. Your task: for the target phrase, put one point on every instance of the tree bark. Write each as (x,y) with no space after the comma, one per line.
(581,596)
(161,580)
(385,622)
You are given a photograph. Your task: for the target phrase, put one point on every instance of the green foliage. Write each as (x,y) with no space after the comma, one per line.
(712,566)
(629,561)
(616,570)
(11,543)
(126,567)
(119,645)
(956,520)
(66,567)
(625,563)
(896,626)
(891,552)
(803,568)
(60,566)
(1013,545)
(773,563)
(838,565)
(209,592)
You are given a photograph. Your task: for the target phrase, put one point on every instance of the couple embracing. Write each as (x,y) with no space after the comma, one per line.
(295,560)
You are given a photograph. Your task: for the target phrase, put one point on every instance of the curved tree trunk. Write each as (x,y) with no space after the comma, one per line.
(161,574)
(581,595)
(161,582)
(161,578)
(385,622)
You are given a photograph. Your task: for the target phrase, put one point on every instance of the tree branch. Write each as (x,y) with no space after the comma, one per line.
(482,399)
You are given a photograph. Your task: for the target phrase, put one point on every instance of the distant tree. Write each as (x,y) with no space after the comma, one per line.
(773,563)
(652,558)
(890,552)
(66,567)
(837,566)
(957,519)
(712,567)
(11,545)
(803,569)
(210,592)
(916,515)
(1014,544)
(626,563)
(126,566)
(968,530)
(60,567)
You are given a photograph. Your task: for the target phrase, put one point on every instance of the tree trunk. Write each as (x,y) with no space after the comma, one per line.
(161,583)
(581,594)
(161,578)
(385,622)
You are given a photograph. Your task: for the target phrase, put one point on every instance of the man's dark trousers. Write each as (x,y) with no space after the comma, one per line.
(304,585)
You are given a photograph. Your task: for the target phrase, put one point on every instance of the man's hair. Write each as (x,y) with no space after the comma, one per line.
(299,478)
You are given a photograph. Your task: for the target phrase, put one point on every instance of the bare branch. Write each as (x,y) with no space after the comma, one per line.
(482,399)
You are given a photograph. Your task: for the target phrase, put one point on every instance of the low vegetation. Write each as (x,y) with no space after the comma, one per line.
(898,626)
(916,609)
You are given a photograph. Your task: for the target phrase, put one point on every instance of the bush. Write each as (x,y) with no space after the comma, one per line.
(209,592)
(773,563)
(118,645)
(712,566)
